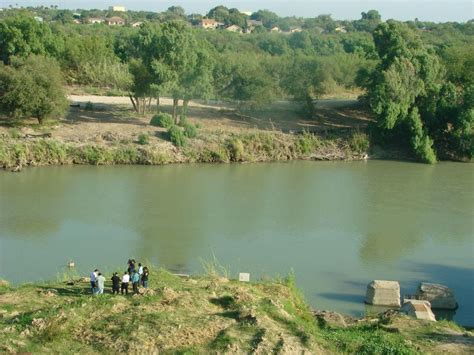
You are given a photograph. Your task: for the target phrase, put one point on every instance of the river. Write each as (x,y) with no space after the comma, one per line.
(337,225)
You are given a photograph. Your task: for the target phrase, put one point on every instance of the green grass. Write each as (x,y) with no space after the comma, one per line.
(208,314)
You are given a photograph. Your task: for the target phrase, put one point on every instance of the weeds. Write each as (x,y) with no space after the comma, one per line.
(143,139)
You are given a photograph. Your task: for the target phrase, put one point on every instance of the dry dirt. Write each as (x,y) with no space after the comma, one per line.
(113,118)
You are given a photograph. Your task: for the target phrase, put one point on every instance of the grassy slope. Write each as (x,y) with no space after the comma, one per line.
(199,315)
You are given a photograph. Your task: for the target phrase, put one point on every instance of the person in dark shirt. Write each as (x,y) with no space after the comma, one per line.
(144,278)
(115,283)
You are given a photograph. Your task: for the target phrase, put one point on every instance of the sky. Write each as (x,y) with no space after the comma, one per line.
(424,10)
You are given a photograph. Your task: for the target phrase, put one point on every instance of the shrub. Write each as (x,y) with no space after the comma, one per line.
(236,149)
(359,142)
(89,106)
(307,142)
(177,136)
(32,87)
(143,139)
(15,133)
(164,120)
(190,130)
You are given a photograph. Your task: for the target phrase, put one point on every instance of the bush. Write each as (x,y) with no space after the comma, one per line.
(190,130)
(359,142)
(15,133)
(143,139)
(236,149)
(32,87)
(89,106)
(162,120)
(177,136)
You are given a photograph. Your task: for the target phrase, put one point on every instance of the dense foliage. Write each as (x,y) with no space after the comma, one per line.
(418,76)
(412,99)
(32,87)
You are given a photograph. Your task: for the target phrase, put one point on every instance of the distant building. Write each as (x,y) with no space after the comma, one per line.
(115,21)
(295,29)
(209,24)
(341,29)
(94,20)
(234,28)
(117,8)
(137,24)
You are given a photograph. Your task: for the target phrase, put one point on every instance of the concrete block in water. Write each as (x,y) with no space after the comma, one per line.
(418,309)
(440,296)
(383,293)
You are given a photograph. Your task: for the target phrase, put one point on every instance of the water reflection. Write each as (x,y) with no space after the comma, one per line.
(338,225)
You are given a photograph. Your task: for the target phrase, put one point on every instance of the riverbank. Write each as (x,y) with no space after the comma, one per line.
(105,131)
(221,147)
(209,314)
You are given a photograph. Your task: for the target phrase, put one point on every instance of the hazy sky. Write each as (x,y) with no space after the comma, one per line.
(430,10)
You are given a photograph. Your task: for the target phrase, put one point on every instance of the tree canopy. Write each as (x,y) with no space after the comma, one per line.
(32,87)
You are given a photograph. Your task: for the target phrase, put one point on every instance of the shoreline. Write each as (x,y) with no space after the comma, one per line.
(259,146)
(205,314)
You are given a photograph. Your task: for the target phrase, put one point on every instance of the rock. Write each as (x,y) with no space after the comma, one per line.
(440,296)
(4,283)
(331,319)
(383,293)
(418,309)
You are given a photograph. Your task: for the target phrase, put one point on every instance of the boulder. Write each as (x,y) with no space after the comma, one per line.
(440,296)
(383,293)
(418,309)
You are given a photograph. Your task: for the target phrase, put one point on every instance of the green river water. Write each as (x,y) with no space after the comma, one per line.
(337,225)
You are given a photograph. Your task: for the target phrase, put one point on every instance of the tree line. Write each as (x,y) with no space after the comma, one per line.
(420,88)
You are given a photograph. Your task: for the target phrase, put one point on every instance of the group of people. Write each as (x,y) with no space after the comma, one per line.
(136,275)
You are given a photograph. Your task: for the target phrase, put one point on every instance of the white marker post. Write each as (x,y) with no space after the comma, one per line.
(244,277)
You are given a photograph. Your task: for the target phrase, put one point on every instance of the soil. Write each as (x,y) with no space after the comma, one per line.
(113,118)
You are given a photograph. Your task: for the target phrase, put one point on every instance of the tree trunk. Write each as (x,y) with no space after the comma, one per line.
(40,120)
(175,111)
(133,102)
(185,108)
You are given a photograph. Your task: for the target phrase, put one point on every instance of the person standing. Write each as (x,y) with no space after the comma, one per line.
(115,283)
(140,270)
(125,281)
(145,277)
(100,284)
(135,282)
(94,275)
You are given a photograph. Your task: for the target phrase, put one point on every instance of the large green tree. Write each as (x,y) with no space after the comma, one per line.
(406,90)
(32,87)
(22,35)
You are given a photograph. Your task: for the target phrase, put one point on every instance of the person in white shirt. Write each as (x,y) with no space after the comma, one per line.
(125,281)
(94,275)
(100,284)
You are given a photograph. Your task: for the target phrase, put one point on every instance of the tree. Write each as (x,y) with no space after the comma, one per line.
(268,17)
(409,94)
(32,87)
(23,35)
